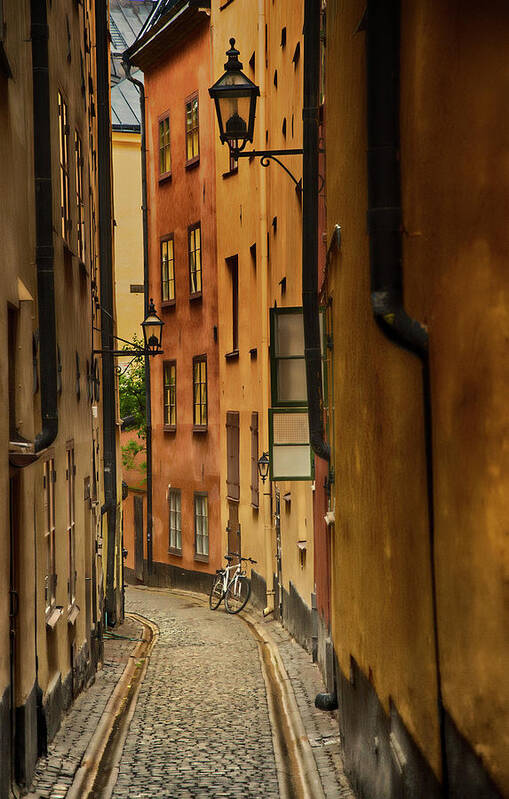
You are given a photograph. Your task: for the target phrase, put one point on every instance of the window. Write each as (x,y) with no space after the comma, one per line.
(200,391)
(201,525)
(167,271)
(170,393)
(194,248)
(288,365)
(12,337)
(233,265)
(255,494)
(63,142)
(50,579)
(70,475)
(164,147)
(232,456)
(192,130)
(175,521)
(80,206)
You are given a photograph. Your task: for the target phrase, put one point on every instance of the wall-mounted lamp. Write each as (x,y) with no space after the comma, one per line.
(152,327)
(234,95)
(263,466)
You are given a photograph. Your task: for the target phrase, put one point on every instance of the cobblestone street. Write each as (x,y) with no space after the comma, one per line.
(201,726)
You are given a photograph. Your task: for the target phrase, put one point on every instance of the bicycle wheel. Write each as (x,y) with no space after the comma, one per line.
(216,592)
(237,594)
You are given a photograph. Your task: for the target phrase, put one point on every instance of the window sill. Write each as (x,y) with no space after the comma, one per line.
(232,356)
(230,173)
(201,558)
(72,613)
(196,296)
(169,428)
(176,552)
(52,616)
(165,177)
(200,428)
(192,162)
(167,304)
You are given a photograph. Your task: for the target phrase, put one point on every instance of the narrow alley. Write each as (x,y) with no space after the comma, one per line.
(202,724)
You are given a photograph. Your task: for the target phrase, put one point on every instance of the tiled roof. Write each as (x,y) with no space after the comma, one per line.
(125,105)
(127,18)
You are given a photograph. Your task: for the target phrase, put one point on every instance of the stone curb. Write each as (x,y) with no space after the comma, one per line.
(85,775)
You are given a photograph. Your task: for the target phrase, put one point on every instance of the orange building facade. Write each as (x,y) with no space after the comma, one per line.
(175,55)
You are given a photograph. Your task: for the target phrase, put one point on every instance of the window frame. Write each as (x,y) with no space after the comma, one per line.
(80,195)
(49,511)
(190,230)
(165,175)
(64,131)
(175,550)
(169,426)
(171,301)
(70,477)
(232,264)
(200,426)
(201,556)
(195,158)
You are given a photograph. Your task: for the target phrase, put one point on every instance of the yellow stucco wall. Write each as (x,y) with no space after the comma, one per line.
(381,608)
(455,157)
(128,232)
(454,186)
(247,203)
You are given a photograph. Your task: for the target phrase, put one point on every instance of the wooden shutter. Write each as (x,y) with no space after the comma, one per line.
(232,456)
(255,494)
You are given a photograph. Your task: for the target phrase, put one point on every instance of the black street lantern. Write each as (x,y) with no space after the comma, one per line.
(263,466)
(152,330)
(235,98)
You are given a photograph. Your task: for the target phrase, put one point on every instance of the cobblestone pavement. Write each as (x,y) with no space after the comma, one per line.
(55,772)
(321,728)
(201,727)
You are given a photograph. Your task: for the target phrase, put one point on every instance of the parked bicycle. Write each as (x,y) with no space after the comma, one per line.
(234,588)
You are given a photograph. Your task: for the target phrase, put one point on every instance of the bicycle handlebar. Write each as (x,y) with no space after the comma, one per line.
(236,555)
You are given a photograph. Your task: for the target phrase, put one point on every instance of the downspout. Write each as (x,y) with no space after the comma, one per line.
(264,277)
(310,309)
(106,278)
(385,234)
(44,252)
(148,402)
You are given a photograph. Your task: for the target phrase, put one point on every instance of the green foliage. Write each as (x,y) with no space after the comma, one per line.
(131,386)
(129,452)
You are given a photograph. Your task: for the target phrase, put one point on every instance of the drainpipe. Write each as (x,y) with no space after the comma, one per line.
(385,234)
(148,401)
(44,252)
(106,275)
(264,273)
(310,310)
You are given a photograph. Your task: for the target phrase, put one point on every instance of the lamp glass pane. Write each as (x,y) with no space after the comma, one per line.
(235,114)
